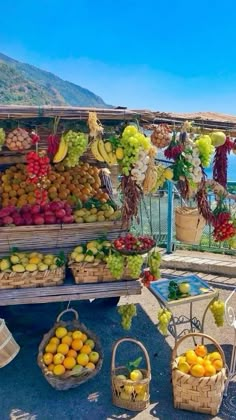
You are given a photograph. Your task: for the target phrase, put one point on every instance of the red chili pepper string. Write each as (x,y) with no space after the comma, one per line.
(220,163)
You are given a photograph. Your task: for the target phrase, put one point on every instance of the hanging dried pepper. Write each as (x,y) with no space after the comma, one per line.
(132,195)
(220,163)
(203,203)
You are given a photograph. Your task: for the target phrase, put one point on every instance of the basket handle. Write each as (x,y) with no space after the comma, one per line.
(122,340)
(68,310)
(208,337)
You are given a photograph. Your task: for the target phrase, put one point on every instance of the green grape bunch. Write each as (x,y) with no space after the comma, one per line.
(164,317)
(154,262)
(132,142)
(2,138)
(115,264)
(205,149)
(134,265)
(77,145)
(127,313)
(217,309)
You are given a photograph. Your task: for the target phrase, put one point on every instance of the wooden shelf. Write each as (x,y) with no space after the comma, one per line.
(69,292)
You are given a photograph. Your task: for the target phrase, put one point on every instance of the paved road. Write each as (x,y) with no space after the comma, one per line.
(25,395)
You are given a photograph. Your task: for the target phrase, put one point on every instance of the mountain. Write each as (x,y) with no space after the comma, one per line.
(24,84)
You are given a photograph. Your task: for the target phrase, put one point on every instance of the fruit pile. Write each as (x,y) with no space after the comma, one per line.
(224,228)
(130,387)
(93,251)
(136,244)
(79,183)
(57,212)
(161,136)
(199,362)
(18,139)
(97,213)
(70,351)
(20,262)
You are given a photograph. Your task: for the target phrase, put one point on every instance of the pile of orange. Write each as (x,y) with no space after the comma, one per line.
(199,362)
(70,351)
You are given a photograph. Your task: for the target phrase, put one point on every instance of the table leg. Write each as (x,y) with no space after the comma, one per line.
(232,369)
(205,312)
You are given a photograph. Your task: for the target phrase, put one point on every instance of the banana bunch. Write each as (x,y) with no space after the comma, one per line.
(62,151)
(154,262)
(2,138)
(102,151)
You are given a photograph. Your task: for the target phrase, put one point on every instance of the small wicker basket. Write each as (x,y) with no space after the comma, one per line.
(36,279)
(94,273)
(67,381)
(203,395)
(189,225)
(137,401)
(8,346)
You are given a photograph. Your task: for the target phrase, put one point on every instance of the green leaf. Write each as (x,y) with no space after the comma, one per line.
(134,365)
(13,250)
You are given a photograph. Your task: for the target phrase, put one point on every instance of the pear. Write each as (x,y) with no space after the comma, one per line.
(79,219)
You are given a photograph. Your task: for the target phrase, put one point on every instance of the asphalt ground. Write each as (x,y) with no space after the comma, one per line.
(25,394)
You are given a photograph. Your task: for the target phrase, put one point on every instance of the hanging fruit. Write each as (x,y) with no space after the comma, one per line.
(2,138)
(161,136)
(218,138)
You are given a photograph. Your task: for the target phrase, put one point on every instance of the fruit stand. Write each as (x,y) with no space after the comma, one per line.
(52,202)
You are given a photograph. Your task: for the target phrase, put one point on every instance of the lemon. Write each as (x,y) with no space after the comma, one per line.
(136,375)
(79,257)
(120,153)
(18,268)
(4,265)
(31,267)
(15,259)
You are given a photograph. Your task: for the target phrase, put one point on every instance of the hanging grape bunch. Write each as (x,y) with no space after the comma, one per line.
(77,145)
(218,311)
(161,136)
(18,139)
(115,264)
(164,317)
(127,312)
(2,138)
(134,264)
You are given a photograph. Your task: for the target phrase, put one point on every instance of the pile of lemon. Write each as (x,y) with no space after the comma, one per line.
(199,362)
(70,351)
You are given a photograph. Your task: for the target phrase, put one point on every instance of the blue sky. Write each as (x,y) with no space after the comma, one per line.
(176,55)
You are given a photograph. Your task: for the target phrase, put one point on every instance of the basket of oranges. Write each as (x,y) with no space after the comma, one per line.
(69,353)
(198,376)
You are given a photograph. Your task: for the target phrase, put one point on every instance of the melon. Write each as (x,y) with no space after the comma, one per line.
(218,138)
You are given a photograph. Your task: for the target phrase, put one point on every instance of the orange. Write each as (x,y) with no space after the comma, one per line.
(48,358)
(201,350)
(77,334)
(218,364)
(77,344)
(51,348)
(58,359)
(69,362)
(210,370)
(51,367)
(63,348)
(200,360)
(84,337)
(61,332)
(55,340)
(59,370)
(197,370)
(184,367)
(191,357)
(86,349)
(72,353)
(90,365)
(82,359)
(67,340)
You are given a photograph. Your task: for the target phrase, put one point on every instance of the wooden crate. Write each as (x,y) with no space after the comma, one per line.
(54,237)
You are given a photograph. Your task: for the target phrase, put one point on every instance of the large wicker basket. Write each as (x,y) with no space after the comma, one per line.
(204,394)
(66,381)
(94,273)
(36,279)
(134,403)
(189,225)
(8,346)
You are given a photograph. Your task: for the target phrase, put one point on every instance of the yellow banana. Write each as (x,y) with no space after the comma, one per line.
(95,151)
(62,151)
(103,152)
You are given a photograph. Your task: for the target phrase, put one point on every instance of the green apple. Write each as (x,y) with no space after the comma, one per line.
(184,287)
(94,356)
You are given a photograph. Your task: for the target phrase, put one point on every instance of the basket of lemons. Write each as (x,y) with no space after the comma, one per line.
(130,384)
(198,376)
(69,353)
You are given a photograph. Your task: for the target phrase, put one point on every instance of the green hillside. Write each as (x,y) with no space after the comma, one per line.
(25,84)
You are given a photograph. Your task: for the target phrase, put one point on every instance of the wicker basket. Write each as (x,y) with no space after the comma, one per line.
(94,273)
(8,346)
(67,381)
(189,225)
(134,403)
(204,394)
(36,279)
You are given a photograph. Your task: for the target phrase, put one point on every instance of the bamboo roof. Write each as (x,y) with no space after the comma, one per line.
(146,117)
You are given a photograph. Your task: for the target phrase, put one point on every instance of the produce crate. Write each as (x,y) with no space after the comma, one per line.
(52,237)
(35,279)
(204,394)
(94,273)
(67,381)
